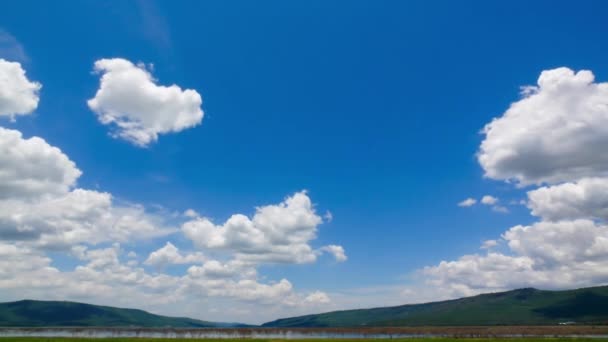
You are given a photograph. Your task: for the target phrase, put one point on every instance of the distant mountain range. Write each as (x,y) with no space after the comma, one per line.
(32,313)
(518,307)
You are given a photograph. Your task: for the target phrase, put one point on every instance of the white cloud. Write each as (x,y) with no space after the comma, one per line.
(586,198)
(317,297)
(41,210)
(557,132)
(336,251)
(561,244)
(103,278)
(548,255)
(489,200)
(140,110)
(191,213)
(214,269)
(79,216)
(275,234)
(31,168)
(493,201)
(467,202)
(489,244)
(43,213)
(39,204)
(170,255)
(18,96)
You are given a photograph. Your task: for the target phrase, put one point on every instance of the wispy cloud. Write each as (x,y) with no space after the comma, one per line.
(10,48)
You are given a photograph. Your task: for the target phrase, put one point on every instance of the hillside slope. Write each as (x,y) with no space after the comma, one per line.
(31,313)
(518,307)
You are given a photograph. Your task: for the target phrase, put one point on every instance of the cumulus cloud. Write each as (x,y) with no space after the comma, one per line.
(467,202)
(214,269)
(78,216)
(585,198)
(33,168)
(549,255)
(557,132)
(485,200)
(275,234)
(48,213)
(104,278)
(336,251)
(129,99)
(191,213)
(553,136)
(18,95)
(170,255)
(42,211)
(39,204)
(489,200)
(317,297)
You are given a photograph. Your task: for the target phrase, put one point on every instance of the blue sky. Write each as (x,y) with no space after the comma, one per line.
(375,108)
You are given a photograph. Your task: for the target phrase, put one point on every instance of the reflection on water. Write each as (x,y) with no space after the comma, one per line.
(189,333)
(259,333)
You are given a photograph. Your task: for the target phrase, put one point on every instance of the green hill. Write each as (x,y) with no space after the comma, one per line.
(518,307)
(31,313)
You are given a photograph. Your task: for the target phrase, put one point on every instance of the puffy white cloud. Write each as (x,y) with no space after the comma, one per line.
(336,251)
(170,255)
(467,202)
(472,274)
(38,203)
(18,95)
(103,278)
(560,244)
(489,200)
(586,198)
(557,132)
(140,110)
(79,216)
(45,213)
(191,213)
(275,234)
(214,269)
(550,255)
(317,297)
(31,168)
(16,259)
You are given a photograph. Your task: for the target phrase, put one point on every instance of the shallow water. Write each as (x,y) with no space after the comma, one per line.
(245,333)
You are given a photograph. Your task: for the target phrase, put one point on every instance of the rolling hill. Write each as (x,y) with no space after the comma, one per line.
(31,313)
(518,307)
